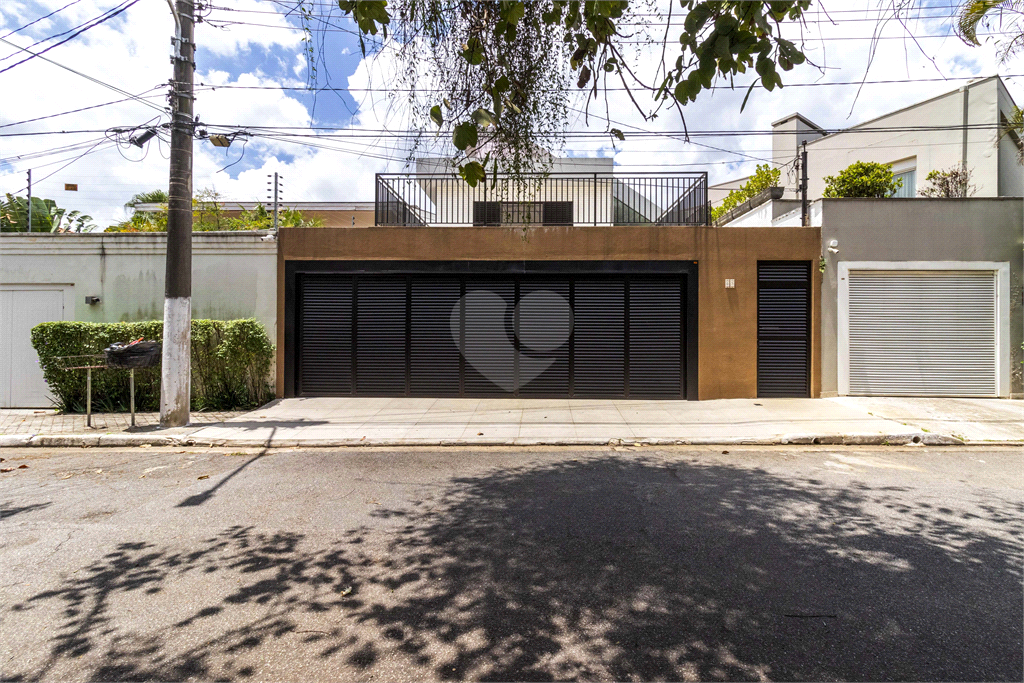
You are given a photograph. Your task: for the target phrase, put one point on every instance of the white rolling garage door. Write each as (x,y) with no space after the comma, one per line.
(922,333)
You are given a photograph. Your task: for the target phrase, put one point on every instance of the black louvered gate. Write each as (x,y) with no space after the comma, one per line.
(407,335)
(783,329)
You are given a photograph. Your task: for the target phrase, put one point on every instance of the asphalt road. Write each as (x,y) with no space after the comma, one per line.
(512,564)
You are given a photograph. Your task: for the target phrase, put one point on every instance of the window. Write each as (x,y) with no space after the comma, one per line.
(522,213)
(906,171)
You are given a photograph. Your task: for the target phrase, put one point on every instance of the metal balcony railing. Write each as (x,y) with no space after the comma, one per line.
(445,200)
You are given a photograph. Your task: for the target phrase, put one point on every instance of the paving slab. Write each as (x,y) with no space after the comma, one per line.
(979,420)
(524,421)
(419,421)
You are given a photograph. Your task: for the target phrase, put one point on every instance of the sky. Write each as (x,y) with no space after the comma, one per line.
(251,70)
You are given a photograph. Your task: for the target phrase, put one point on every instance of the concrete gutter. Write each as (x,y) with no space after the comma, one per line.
(137,440)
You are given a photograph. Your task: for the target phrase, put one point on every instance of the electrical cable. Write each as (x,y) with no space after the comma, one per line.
(45,16)
(71,37)
(75,111)
(86,76)
(203,87)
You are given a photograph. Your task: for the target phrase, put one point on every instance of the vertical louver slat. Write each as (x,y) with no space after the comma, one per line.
(783,329)
(325,337)
(544,325)
(922,334)
(393,335)
(435,353)
(489,350)
(655,340)
(380,337)
(599,333)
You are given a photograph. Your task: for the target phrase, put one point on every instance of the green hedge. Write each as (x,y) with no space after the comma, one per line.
(231,362)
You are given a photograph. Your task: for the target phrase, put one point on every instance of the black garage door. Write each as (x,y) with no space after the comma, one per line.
(527,335)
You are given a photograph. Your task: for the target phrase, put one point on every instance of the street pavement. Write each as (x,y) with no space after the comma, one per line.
(614,563)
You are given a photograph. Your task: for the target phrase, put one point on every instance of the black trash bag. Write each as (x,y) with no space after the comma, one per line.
(137,354)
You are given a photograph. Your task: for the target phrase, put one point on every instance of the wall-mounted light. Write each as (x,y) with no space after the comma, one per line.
(92,300)
(833,246)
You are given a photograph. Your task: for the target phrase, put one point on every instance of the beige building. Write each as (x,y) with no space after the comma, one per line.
(958,127)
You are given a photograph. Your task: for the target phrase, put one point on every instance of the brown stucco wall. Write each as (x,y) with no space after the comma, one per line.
(727,328)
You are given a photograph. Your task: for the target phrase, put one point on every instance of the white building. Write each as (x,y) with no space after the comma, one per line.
(959,127)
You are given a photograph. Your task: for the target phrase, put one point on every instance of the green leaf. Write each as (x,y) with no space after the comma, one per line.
(472,172)
(617,133)
(515,12)
(584,78)
(483,118)
(747,96)
(436,116)
(473,51)
(465,135)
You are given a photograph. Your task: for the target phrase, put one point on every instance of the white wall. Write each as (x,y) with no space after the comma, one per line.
(930,149)
(234,275)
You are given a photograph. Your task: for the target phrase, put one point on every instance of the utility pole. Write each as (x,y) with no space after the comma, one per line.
(175,375)
(28,226)
(805,215)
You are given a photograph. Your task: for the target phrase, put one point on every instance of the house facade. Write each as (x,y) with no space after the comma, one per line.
(919,297)
(579,283)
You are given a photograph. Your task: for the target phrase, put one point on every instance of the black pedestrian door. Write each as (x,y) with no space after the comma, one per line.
(530,335)
(783,328)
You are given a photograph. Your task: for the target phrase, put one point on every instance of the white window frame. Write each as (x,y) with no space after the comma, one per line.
(1001,270)
(905,166)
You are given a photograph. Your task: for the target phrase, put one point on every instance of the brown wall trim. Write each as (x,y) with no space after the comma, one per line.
(727,328)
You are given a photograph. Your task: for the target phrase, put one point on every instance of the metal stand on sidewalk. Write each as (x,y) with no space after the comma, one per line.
(131,382)
(88,380)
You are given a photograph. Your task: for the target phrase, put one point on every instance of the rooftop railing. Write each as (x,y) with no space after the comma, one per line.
(445,200)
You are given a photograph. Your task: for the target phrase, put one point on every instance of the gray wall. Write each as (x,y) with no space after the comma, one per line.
(234,274)
(976,229)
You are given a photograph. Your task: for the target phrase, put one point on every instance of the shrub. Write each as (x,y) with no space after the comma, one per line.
(863,179)
(953,183)
(231,362)
(764,177)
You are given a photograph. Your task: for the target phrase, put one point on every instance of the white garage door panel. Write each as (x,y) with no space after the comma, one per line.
(21,379)
(922,334)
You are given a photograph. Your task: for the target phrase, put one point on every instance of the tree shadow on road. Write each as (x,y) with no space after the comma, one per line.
(610,568)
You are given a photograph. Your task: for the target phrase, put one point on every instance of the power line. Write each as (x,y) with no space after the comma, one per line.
(204,87)
(72,36)
(88,151)
(409,133)
(45,16)
(75,111)
(79,73)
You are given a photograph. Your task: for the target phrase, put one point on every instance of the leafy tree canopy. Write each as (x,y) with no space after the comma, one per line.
(862,179)
(209,214)
(763,178)
(494,76)
(151,197)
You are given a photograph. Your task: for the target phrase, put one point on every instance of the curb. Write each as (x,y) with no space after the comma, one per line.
(136,440)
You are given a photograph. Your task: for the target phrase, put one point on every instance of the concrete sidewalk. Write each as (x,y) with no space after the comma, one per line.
(320,422)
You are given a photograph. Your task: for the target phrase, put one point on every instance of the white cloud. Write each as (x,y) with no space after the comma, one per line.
(133,55)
